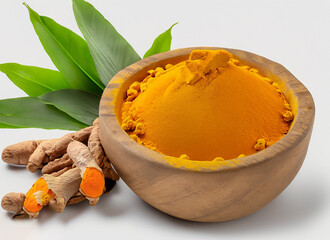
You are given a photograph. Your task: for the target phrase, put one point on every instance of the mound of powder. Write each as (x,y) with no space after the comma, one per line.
(208,107)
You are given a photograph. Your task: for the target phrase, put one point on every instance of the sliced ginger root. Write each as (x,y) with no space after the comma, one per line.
(37,197)
(50,190)
(64,187)
(93,183)
(66,180)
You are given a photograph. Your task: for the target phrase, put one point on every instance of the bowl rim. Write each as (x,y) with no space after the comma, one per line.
(301,126)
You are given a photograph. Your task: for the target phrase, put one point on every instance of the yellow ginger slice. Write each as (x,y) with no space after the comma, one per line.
(93,183)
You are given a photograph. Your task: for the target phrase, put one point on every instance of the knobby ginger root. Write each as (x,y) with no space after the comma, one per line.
(59,148)
(108,171)
(55,191)
(59,172)
(47,190)
(57,164)
(62,183)
(39,155)
(94,143)
(13,202)
(64,187)
(95,146)
(93,183)
(20,153)
(77,198)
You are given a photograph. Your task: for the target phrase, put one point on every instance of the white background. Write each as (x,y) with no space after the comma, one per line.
(293,33)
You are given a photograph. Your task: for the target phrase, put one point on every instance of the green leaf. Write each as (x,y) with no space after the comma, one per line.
(30,112)
(4,125)
(34,81)
(110,51)
(79,104)
(76,47)
(162,43)
(69,53)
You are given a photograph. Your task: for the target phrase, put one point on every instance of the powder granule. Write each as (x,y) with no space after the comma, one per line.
(207,107)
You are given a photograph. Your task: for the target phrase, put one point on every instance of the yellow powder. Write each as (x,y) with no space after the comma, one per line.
(208,107)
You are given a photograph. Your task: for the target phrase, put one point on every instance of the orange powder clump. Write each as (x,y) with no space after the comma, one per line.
(92,183)
(38,196)
(210,106)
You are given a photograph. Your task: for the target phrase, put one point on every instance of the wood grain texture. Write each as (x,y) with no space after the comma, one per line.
(208,195)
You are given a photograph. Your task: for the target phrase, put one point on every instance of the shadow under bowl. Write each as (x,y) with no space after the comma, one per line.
(219,193)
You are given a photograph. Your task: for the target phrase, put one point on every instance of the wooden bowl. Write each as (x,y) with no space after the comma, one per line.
(207,194)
